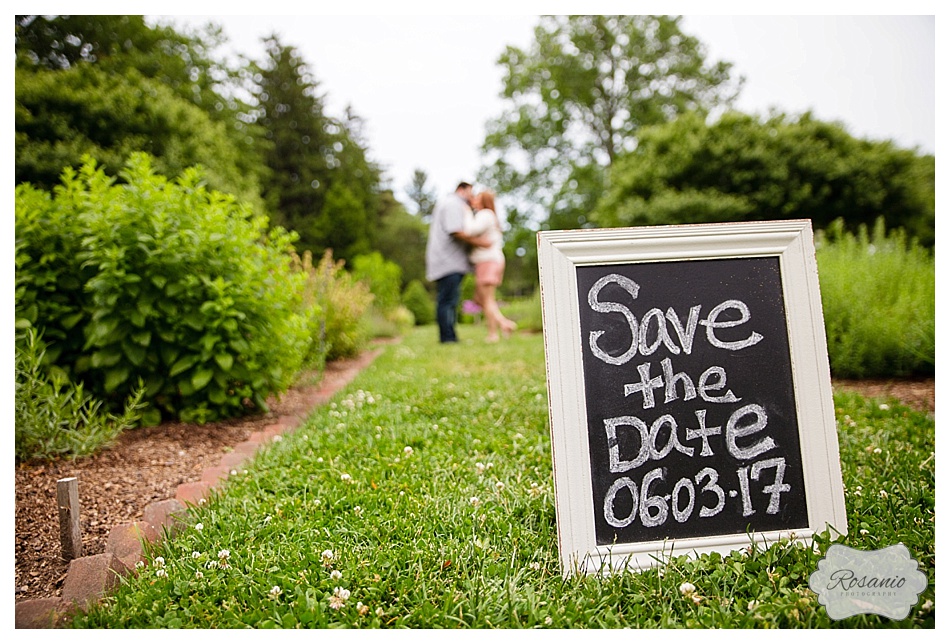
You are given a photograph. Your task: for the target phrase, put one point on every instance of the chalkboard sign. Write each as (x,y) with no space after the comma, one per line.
(689,389)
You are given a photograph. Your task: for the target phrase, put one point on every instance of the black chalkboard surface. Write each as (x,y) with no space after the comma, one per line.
(691,409)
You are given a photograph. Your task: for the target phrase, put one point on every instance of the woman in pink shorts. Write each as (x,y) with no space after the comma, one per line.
(489,263)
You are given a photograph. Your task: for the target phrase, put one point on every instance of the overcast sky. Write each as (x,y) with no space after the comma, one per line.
(427,84)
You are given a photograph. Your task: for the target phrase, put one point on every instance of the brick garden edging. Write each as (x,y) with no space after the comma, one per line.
(91,578)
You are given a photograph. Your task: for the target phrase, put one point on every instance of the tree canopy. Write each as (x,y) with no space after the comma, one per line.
(322,184)
(578,98)
(743,167)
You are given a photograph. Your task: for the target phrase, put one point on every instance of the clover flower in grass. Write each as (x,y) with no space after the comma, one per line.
(160,562)
(499,486)
(474,501)
(275,592)
(199,527)
(199,574)
(362,608)
(345,477)
(407,450)
(336,575)
(161,572)
(338,600)
(195,554)
(327,557)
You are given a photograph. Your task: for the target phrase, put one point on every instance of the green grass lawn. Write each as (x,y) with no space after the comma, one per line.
(422,497)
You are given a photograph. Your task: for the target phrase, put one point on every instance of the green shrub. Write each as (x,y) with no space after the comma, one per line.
(343,330)
(54,418)
(164,282)
(383,277)
(878,297)
(525,311)
(416,298)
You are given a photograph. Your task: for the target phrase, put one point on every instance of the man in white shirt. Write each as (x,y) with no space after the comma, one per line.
(447,255)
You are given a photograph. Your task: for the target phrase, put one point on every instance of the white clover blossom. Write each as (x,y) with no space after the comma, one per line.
(380,612)
(275,592)
(195,554)
(224,554)
(362,608)
(327,557)
(161,572)
(877,450)
(139,564)
(863,532)
(160,562)
(345,477)
(407,450)
(199,527)
(474,500)
(358,510)
(199,574)
(499,486)
(884,407)
(687,588)
(338,600)
(336,575)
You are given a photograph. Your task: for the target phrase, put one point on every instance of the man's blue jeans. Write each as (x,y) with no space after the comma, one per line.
(448,291)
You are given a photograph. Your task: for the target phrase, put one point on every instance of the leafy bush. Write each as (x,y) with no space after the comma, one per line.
(526,311)
(416,298)
(383,277)
(342,331)
(54,418)
(164,282)
(878,296)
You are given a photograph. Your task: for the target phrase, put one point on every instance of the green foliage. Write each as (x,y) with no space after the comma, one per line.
(578,98)
(417,299)
(526,311)
(427,484)
(401,238)
(54,418)
(744,168)
(63,115)
(168,283)
(345,301)
(878,293)
(384,278)
(322,185)
(421,195)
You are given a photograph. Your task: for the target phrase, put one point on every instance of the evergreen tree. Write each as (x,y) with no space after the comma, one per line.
(297,144)
(323,186)
(422,197)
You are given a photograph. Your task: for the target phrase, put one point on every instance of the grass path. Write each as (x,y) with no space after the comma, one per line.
(422,497)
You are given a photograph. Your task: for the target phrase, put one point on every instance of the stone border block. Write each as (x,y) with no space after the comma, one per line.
(127,542)
(91,578)
(39,613)
(193,493)
(165,516)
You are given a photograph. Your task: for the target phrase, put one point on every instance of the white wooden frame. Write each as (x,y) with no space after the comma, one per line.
(559,253)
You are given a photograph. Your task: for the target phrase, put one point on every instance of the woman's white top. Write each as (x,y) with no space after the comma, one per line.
(485,222)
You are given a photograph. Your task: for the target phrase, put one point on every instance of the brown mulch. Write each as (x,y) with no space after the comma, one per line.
(148,465)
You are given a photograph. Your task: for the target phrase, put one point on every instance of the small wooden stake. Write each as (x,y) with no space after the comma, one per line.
(70,535)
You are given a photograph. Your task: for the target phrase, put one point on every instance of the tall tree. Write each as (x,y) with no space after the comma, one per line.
(577,98)
(323,184)
(421,195)
(297,144)
(743,167)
